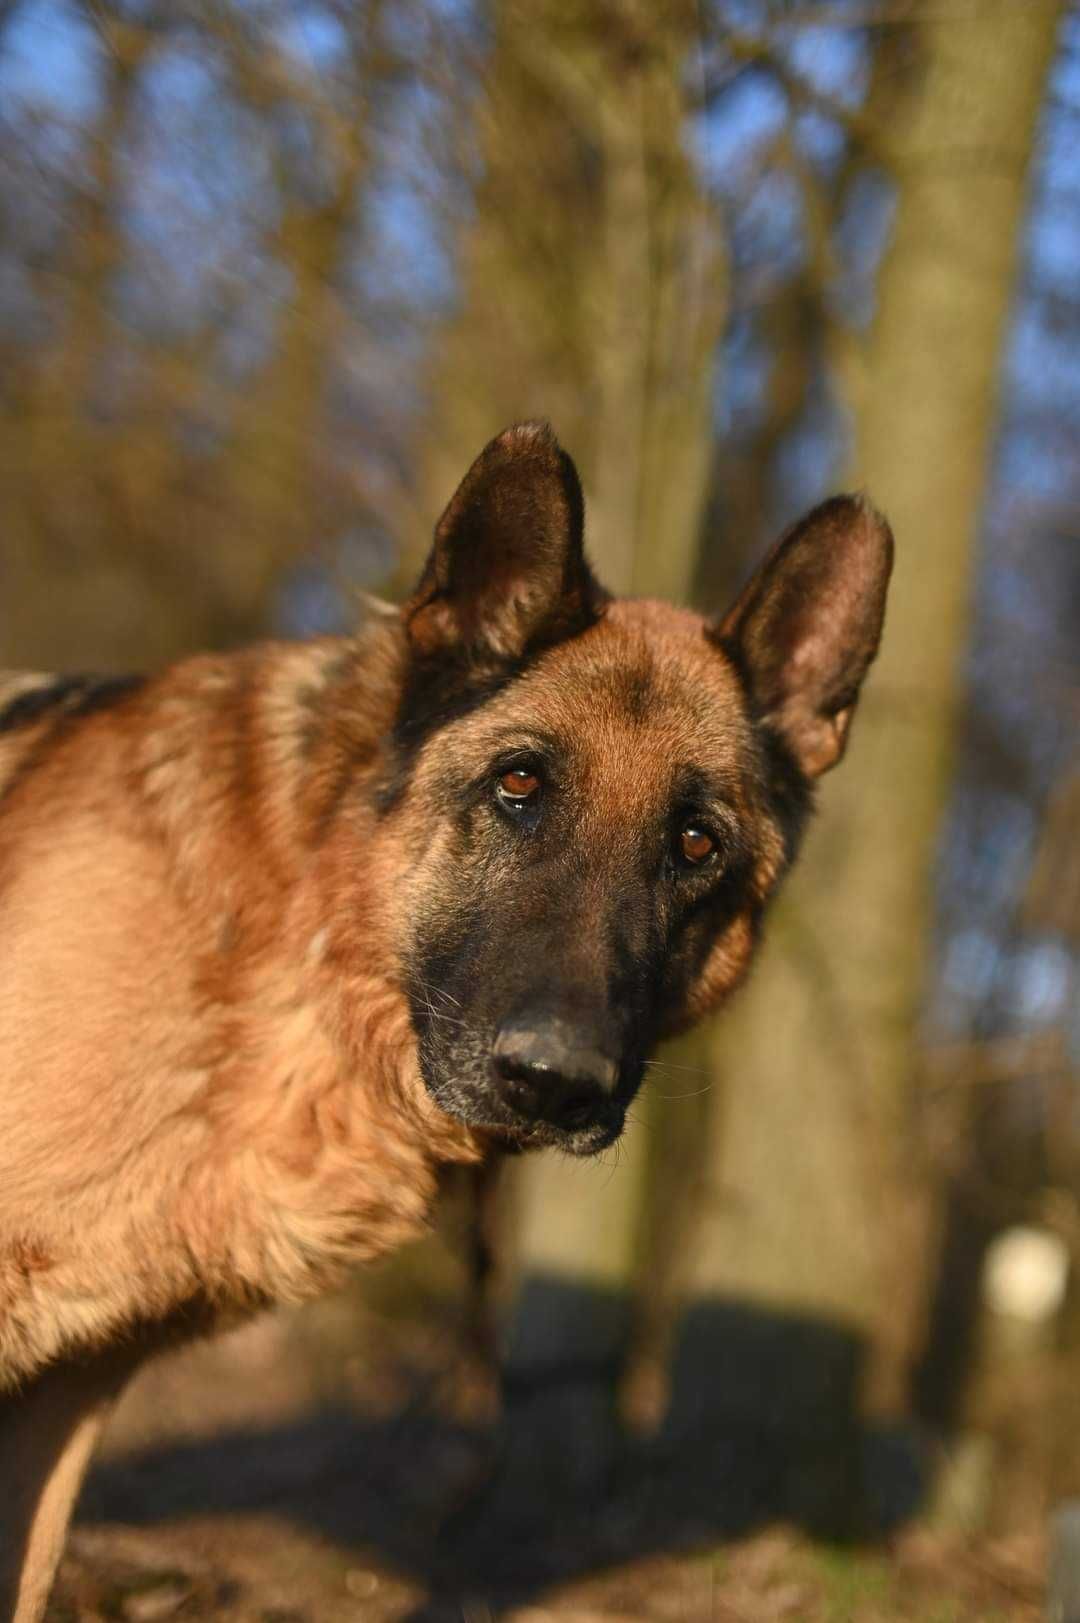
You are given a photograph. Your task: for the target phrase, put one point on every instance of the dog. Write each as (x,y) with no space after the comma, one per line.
(286,931)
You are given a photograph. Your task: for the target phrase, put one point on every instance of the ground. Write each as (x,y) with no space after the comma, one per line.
(263,1569)
(269,1479)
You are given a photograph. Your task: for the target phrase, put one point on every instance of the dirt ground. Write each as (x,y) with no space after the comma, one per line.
(266,1478)
(264,1569)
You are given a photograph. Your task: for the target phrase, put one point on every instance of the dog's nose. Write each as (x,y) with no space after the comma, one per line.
(551,1072)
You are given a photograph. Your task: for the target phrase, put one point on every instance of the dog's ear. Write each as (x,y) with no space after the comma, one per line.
(807,626)
(507,573)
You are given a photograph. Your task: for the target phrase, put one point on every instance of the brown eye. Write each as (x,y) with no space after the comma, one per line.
(696,844)
(518,788)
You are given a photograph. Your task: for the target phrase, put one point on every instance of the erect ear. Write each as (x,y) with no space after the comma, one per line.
(507,573)
(807,626)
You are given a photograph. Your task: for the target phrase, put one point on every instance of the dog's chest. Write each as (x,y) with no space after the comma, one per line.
(310,1157)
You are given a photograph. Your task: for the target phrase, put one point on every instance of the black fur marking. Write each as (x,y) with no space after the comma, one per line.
(68,698)
(635,689)
(60,703)
(791,792)
(424,711)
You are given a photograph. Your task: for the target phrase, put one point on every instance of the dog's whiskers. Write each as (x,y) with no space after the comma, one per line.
(696,1094)
(437,991)
(666,1065)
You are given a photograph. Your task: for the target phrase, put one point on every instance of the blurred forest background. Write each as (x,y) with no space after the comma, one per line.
(271,272)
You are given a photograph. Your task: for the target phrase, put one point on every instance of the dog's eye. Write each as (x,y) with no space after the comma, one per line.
(696,845)
(518,789)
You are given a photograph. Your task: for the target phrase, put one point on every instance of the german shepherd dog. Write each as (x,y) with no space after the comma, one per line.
(287,930)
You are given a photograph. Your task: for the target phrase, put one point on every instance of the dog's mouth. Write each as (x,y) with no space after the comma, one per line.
(486,1110)
(580,1141)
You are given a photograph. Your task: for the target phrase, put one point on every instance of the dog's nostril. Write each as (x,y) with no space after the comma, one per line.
(519,1089)
(541,1094)
(578,1110)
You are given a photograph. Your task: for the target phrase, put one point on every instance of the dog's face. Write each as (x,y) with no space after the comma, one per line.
(596,798)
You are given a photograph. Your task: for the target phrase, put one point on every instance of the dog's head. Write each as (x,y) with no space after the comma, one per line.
(594,799)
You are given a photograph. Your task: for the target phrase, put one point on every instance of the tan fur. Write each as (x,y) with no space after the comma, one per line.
(209,1093)
(210,1088)
(221,894)
(210,1083)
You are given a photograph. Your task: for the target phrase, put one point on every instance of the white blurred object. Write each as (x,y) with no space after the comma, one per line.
(1025,1273)
(1063,1593)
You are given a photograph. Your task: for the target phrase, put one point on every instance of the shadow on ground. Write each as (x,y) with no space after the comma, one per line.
(761,1427)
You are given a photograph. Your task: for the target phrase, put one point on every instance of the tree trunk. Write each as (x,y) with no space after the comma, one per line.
(812,1140)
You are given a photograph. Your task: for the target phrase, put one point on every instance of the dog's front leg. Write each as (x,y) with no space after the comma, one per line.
(48,1431)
